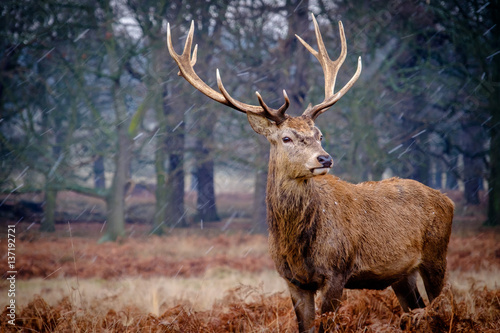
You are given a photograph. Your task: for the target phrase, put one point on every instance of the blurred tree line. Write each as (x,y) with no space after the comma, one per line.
(90,98)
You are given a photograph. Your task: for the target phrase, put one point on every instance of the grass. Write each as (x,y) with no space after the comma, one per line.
(153,295)
(221,282)
(250,309)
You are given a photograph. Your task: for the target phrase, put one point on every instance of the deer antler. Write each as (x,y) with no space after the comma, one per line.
(186,64)
(330,69)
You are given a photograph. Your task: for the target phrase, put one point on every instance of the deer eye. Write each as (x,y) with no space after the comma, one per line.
(286,139)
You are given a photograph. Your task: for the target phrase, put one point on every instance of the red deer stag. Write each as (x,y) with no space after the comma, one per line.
(326,234)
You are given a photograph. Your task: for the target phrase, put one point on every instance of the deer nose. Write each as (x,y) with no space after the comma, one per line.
(325,160)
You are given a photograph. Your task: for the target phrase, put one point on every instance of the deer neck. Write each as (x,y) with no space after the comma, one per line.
(293,208)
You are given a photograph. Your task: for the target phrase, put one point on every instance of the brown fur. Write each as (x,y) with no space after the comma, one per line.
(326,234)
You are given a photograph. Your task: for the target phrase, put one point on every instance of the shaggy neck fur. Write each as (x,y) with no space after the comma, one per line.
(292,212)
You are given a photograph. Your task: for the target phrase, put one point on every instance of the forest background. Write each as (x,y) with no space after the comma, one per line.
(139,203)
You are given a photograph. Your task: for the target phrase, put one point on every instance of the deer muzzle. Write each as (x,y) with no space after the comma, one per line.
(322,165)
(325,160)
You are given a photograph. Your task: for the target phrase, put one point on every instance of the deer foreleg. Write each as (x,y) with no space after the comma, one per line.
(303,303)
(331,297)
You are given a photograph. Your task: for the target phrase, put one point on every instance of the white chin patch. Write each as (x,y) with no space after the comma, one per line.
(320,171)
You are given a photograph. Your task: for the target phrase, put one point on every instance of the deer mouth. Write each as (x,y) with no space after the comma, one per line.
(320,171)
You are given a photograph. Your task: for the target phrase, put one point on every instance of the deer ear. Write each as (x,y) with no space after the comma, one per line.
(261,124)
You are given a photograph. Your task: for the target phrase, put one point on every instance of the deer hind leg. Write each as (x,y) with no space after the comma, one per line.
(433,274)
(303,304)
(407,293)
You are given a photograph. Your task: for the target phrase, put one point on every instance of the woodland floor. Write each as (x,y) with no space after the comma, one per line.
(220,279)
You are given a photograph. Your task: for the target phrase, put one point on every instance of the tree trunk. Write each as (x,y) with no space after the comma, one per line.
(115,223)
(175,143)
(99,177)
(420,162)
(437,181)
(153,80)
(175,183)
(204,168)
(472,180)
(494,106)
(494,177)
(49,210)
(115,199)
(451,177)
(159,218)
(169,183)
(473,144)
(205,202)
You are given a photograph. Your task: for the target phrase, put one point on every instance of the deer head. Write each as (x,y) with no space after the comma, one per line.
(295,141)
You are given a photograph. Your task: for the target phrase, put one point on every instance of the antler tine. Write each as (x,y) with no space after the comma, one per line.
(330,70)
(277,116)
(281,111)
(186,64)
